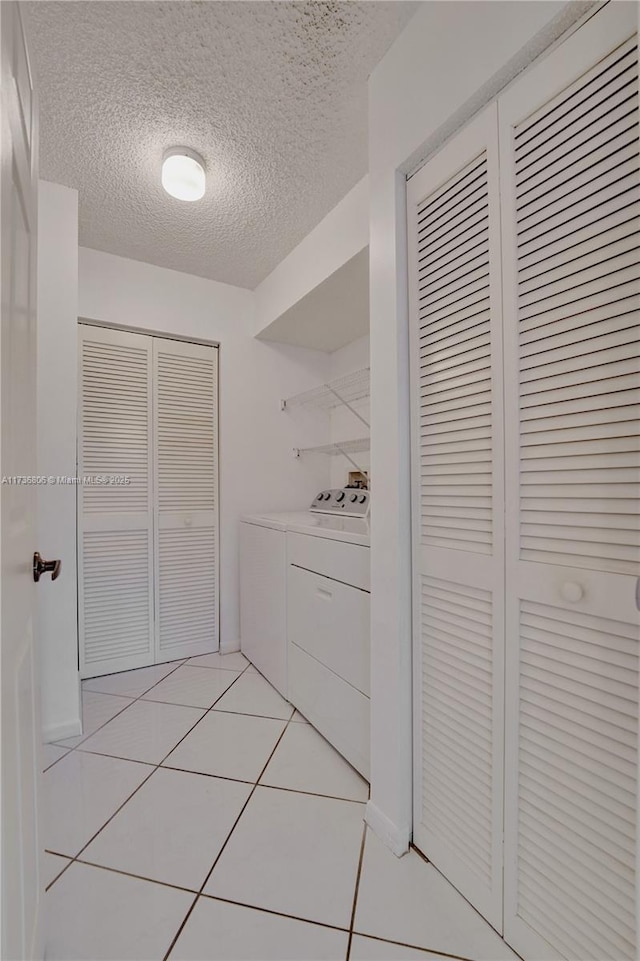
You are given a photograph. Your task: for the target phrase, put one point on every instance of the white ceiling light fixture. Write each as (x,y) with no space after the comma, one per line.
(183,173)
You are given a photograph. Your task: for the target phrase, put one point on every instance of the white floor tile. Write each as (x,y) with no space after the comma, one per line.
(96,915)
(146,731)
(130,683)
(293,853)
(304,761)
(369,949)
(235,661)
(192,686)
(52,753)
(52,866)
(227,932)
(172,829)
(251,694)
(82,791)
(97,709)
(229,745)
(405,899)
(298,718)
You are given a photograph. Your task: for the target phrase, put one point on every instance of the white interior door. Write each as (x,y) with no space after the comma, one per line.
(21,883)
(185,386)
(571,241)
(115,501)
(456,396)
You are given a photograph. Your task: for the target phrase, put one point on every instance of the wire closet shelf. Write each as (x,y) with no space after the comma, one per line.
(343,391)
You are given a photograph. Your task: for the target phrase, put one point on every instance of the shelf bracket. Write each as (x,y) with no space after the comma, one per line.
(348,406)
(353,463)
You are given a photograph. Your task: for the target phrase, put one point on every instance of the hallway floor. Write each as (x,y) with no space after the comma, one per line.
(200,818)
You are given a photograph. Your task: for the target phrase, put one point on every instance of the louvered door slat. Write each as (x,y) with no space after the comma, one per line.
(571,232)
(186,411)
(455,338)
(612,372)
(115,560)
(594,798)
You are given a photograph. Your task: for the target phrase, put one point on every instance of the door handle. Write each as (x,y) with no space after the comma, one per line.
(572,591)
(41,567)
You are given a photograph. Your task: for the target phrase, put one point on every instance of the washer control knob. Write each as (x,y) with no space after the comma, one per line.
(340,496)
(354,498)
(363,498)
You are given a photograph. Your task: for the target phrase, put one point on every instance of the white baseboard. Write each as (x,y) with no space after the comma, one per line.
(396,838)
(58,732)
(229,647)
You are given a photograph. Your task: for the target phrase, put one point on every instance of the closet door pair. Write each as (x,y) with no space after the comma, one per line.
(147,500)
(524,246)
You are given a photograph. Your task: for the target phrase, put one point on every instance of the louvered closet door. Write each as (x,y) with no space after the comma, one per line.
(571,240)
(115,555)
(456,398)
(186,499)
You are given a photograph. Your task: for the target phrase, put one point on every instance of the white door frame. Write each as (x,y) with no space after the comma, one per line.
(22,886)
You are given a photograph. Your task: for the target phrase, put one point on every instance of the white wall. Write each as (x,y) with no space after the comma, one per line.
(450,55)
(344,426)
(57,386)
(336,239)
(257,469)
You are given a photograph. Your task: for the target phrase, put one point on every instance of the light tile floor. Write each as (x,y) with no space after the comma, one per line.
(200,818)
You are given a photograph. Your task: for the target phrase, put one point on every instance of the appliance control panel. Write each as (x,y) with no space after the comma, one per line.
(351,501)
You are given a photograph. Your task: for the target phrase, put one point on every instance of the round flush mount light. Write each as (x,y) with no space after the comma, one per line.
(183,173)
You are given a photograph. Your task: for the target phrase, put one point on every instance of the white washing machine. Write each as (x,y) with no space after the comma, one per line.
(304,612)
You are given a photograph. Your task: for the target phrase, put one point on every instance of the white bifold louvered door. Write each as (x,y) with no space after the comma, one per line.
(148,515)
(456,358)
(185,386)
(553,613)
(115,503)
(571,240)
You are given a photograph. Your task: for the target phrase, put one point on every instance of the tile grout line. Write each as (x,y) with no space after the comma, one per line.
(416,947)
(132,700)
(277,914)
(140,697)
(227,839)
(265,717)
(143,696)
(252,907)
(216,777)
(200,893)
(154,767)
(356,889)
(271,787)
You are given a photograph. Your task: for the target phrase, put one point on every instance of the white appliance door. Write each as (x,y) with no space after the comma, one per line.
(185,390)
(21,879)
(571,209)
(115,542)
(456,400)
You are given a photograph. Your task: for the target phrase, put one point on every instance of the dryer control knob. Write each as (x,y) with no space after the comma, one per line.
(340,496)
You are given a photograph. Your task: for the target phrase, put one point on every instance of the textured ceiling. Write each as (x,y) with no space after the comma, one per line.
(272,94)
